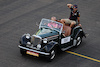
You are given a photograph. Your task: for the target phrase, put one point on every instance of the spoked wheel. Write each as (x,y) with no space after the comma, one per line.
(52,55)
(78,41)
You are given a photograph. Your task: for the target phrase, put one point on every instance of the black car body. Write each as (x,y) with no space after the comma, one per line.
(48,39)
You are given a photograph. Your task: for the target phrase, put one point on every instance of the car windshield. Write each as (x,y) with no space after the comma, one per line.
(43,31)
(46,23)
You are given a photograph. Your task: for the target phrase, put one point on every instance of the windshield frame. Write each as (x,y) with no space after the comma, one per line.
(48,20)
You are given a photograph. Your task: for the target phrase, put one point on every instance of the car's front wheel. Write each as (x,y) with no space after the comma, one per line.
(52,55)
(23,52)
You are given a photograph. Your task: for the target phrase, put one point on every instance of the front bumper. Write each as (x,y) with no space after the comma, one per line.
(43,53)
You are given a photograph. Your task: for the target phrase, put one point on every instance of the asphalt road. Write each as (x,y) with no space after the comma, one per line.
(20,16)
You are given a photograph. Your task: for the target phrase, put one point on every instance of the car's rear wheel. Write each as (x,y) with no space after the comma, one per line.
(78,41)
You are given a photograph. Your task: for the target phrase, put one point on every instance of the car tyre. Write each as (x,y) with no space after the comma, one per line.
(78,41)
(23,52)
(52,55)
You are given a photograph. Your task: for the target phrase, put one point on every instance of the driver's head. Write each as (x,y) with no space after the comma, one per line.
(75,7)
(53,18)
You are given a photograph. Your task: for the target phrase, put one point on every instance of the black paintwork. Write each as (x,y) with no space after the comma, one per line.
(54,39)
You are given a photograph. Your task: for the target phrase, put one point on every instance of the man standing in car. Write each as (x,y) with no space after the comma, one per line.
(74,16)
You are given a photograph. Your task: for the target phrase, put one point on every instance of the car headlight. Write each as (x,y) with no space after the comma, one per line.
(45,40)
(28,43)
(27,36)
(38,46)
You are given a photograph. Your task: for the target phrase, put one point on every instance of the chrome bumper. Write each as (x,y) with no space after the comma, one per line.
(33,50)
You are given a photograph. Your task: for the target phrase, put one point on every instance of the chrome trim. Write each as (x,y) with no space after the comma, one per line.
(81,30)
(33,50)
(74,42)
(63,49)
(53,21)
(52,37)
(36,36)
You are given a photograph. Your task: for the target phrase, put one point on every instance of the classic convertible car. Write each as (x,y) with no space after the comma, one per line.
(49,39)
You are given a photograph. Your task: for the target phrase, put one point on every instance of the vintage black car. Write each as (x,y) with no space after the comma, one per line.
(49,39)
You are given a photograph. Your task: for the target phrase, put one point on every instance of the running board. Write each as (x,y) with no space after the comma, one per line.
(63,49)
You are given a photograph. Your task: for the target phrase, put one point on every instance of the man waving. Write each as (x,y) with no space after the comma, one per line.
(74,16)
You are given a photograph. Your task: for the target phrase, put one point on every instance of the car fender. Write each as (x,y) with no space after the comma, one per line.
(50,46)
(23,40)
(80,31)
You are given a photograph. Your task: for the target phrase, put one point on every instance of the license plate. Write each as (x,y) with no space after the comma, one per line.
(32,53)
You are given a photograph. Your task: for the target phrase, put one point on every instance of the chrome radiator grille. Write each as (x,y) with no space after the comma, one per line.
(36,41)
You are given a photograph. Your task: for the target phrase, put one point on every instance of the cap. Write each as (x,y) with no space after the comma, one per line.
(75,6)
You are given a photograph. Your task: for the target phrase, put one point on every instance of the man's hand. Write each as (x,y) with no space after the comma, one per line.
(69,5)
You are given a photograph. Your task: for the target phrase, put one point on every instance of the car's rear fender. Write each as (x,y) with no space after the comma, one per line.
(76,31)
(79,32)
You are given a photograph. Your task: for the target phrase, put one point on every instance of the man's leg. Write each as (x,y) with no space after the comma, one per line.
(72,23)
(68,21)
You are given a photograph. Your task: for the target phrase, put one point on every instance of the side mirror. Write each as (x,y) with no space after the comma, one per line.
(37,24)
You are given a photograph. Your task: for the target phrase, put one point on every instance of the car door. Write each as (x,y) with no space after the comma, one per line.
(65,42)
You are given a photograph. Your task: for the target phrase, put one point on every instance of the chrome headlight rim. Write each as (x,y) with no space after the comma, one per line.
(38,46)
(45,40)
(28,43)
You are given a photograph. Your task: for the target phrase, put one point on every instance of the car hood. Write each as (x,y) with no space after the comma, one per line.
(52,33)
